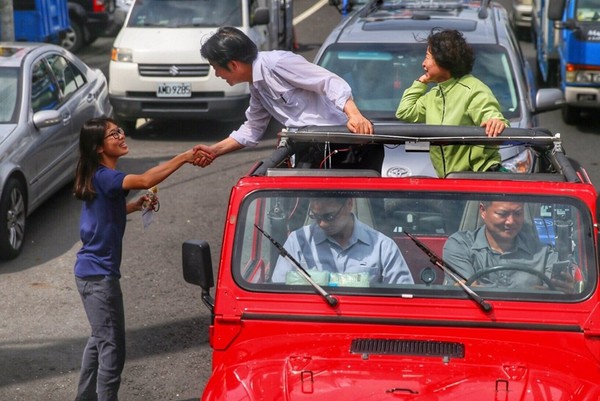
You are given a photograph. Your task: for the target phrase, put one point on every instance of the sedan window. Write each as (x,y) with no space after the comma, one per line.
(69,78)
(45,94)
(8,94)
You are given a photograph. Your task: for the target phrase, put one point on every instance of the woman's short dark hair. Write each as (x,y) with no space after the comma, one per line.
(451,51)
(229,44)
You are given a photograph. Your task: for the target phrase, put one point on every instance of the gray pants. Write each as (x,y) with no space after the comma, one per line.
(104,353)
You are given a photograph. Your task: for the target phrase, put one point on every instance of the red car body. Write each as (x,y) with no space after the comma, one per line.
(425,341)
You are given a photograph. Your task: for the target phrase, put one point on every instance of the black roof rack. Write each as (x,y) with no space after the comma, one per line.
(398,133)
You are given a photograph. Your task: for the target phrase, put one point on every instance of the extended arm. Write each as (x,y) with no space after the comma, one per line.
(206,154)
(157,174)
(357,123)
(485,111)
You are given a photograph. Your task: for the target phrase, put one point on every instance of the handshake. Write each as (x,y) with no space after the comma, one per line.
(203,155)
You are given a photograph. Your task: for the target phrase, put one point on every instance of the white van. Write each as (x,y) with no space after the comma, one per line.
(156,70)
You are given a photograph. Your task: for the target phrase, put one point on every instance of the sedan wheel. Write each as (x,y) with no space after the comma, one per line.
(12,219)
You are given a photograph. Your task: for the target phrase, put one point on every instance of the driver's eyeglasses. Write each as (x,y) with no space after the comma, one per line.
(116,133)
(326,217)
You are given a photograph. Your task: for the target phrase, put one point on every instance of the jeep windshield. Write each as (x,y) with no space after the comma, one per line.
(380,73)
(552,258)
(185,13)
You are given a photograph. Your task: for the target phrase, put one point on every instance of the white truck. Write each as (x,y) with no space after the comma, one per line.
(156,70)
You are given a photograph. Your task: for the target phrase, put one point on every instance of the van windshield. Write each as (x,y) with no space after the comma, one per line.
(185,13)
(517,247)
(588,10)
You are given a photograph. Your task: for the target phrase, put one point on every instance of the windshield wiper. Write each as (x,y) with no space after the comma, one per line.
(330,299)
(456,276)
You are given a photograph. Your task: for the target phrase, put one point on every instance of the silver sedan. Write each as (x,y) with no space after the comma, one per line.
(46,94)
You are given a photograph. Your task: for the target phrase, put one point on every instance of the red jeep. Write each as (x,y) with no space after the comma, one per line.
(465,327)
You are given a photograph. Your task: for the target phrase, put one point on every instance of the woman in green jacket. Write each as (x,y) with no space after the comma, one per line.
(458,99)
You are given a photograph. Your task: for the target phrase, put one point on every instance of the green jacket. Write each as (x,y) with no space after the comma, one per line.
(463,101)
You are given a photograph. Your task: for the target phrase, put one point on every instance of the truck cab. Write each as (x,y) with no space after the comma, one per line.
(293,324)
(567,40)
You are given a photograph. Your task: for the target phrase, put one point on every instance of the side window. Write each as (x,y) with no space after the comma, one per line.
(45,94)
(9,94)
(494,69)
(68,77)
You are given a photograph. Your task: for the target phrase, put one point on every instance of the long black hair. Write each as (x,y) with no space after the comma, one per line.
(91,137)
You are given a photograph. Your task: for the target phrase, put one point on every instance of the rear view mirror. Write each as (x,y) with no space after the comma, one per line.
(197,264)
(197,269)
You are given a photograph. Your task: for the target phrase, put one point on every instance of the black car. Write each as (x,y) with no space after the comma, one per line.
(89,20)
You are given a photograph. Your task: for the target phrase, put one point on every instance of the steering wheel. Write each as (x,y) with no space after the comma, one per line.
(477,275)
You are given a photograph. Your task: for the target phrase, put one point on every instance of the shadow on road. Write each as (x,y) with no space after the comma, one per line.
(54,357)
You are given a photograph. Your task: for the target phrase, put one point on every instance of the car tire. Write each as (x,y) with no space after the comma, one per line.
(13,212)
(570,114)
(73,39)
(524,33)
(91,39)
(128,126)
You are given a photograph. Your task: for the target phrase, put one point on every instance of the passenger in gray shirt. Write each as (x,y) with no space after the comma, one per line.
(337,242)
(501,242)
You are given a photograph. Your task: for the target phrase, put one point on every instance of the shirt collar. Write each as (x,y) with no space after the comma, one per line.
(448,83)
(257,70)
(358,234)
(481,242)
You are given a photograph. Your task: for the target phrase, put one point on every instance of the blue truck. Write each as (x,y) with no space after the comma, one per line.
(40,20)
(567,40)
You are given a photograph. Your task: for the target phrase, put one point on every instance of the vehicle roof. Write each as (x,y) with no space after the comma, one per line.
(397,21)
(13,53)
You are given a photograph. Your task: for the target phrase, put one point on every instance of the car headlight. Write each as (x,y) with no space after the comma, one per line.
(582,74)
(122,55)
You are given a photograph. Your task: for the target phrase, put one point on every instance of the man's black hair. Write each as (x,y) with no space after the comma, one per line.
(229,44)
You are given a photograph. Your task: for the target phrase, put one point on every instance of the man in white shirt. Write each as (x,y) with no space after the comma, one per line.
(283,85)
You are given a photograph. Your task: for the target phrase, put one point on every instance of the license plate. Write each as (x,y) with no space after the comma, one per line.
(586,97)
(173,89)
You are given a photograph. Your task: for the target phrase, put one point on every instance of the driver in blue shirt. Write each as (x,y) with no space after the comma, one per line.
(337,242)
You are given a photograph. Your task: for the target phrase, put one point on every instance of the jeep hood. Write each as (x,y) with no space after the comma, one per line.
(326,369)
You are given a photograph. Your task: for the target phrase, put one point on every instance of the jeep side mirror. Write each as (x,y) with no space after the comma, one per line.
(197,268)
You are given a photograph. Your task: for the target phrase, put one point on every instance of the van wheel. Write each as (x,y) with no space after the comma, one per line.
(73,39)
(128,126)
(13,211)
(570,114)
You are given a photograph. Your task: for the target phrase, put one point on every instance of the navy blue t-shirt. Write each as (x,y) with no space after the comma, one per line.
(102,226)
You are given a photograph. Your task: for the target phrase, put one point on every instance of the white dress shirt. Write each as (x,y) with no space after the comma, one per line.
(295,92)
